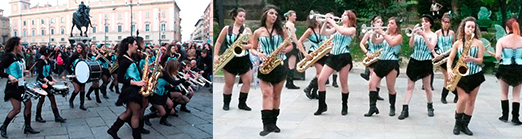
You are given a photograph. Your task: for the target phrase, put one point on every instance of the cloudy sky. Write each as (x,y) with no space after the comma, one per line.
(190,12)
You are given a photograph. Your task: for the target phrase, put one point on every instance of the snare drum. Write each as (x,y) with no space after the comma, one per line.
(33,90)
(87,71)
(60,89)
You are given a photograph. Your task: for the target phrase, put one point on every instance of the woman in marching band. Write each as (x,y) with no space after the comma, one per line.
(469,84)
(268,37)
(375,42)
(12,67)
(340,59)
(78,55)
(387,66)
(114,59)
(238,65)
(43,69)
(313,35)
(290,17)
(420,65)
(95,86)
(509,53)
(445,39)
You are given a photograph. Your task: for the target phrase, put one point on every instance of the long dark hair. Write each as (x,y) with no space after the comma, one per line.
(124,46)
(12,43)
(234,12)
(277,24)
(84,49)
(168,53)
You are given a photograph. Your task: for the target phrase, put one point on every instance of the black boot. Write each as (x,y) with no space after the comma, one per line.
(163,119)
(242,101)
(314,92)
(117,89)
(143,130)
(146,118)
(71,100)
(458,123)
(379,96)
(322,104)
(430,109)
(103,90)
(97,94)
(266,116)
(3,129)
(444,95)
(89,93)
(366,74)
(464,126)
(113,131)
(308,89)
(111,87)
(28,128)
(344,109)
(57,117)
(505,110)
(290,80)
(274,120)
(82,101)
(226,101)
(392,103)
(373,104)
(136,133)
(516,109)
(334,81)
(184,108)
(456,96)
(404,113)
(38,116)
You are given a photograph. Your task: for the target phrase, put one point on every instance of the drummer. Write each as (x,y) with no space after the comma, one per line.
(78,55)
(43,68)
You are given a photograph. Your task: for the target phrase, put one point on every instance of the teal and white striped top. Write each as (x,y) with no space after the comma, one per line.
(269,45)
(444,43)
(230,39)
(341,44)
(421,52)
(511,56)
(473,67)
(390,52)
(372,47)
(316,41)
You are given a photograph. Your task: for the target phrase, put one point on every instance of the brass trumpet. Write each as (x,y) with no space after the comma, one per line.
(322,17)
(410,31)
(192,81)
(201,78)
(365,29)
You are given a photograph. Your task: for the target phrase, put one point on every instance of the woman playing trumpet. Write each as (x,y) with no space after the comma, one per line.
(420,65)
(339,60)
(238,65)
(469,84)
(375,42)
(445,38)
(313,35)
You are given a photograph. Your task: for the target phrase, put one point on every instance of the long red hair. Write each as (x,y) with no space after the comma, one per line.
(513,26)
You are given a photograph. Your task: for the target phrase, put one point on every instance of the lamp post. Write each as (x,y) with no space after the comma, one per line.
(130,4)
(49,28)
(105,28)
(159,29)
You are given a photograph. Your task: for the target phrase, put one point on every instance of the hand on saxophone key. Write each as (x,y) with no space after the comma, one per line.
(438,57)
(450,75)
(216,59)
(308,57)
(140,83)
(262,56)
(369,55)
(467,59)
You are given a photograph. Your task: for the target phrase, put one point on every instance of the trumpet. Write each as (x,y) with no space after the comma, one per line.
(192,80)
(322,17)
(410,31)
(181,86)
(370,29)
(201,78)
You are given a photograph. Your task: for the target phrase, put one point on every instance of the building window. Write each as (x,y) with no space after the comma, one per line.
(93,29)
(106,28)
(62,39)
(62,19)
(43,32)
(52,20)
(24,23)
(163,37)
(163,27)
(147,27)
(133,28)
(119,28)
(15,23)
(163,14)
(3,24)
(62,31)
(52,39)
(33,32)
(119,15)
(147,14)
(42,21)
(32,22)
(119,37)
(52,31)
(94,38)
(25,32)
(147,37)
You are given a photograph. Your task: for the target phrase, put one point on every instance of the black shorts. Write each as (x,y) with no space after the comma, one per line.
(276,76)
(156,99)
(323,59)
(130,94)
(106,73)
(239,65)
(511,74)
(470,82)
(419,69)
(78,82)
(338,62)
(294,51)
(443,66)
(12,90)
(384,67)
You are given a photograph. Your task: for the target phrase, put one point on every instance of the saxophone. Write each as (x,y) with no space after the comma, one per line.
(319,53)
(113,68)
(367,61)
(460,69)
(145,75)
(444,59)
(272,61)
(236,49)
(156,74)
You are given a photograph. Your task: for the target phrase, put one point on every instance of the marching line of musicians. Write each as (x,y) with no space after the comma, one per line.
(459,54)
(173,78)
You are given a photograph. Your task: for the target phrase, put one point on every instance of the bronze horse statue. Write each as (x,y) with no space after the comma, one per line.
(81,20)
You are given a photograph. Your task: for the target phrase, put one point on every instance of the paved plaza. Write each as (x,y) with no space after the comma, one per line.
(94,122)
(297,120)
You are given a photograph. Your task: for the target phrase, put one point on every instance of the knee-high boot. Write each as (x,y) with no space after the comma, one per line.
(97,94)
(464,126)
(38,116)
(322,103)
(3,129)
(163,119)
(113,130)
(373,104)
(308,90)
(103,90)
(515,113)
(57,117)
(505,110)
(136,133)
(242,101)
(226,101)
(28,128)
(146,118)
(274,120)
(344,98)
(444,95)
(379,96)
(71,100)
(89,93)
(290,80)
(392,103)
(458,123)
(82,101)
(334,81)
(266,116)
(456,96)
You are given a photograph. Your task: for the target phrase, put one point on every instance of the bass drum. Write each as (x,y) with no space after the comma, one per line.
(87,71)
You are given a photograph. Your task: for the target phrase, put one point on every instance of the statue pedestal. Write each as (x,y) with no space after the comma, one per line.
(85,40)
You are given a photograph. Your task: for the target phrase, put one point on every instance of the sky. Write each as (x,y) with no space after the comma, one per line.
(190,12)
